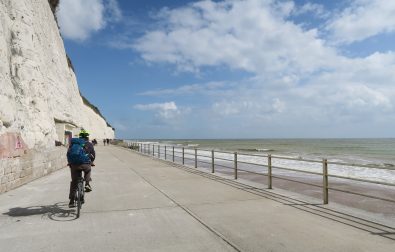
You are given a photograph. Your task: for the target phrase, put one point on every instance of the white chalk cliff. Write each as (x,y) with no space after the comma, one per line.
(37,85)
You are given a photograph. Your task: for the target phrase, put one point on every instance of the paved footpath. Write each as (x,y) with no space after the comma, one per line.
(142,204)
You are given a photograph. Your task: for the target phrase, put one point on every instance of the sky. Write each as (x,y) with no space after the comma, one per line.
(179,69)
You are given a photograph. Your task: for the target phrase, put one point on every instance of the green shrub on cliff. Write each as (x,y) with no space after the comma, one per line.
(54,5)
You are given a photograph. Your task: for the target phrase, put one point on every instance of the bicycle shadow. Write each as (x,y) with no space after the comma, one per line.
(56,212)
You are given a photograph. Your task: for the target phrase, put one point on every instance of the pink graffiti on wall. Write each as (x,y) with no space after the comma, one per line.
(18,143)
(12,145)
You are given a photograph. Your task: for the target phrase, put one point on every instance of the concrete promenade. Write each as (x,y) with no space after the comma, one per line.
(142,204)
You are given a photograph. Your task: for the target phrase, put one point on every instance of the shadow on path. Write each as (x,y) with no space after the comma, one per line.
(56,212)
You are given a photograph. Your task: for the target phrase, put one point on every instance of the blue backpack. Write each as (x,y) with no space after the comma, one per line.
(76,154)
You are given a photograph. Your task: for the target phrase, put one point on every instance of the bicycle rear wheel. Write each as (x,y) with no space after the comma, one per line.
(79,195)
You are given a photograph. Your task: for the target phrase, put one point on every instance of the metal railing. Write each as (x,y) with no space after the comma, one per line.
(232,162)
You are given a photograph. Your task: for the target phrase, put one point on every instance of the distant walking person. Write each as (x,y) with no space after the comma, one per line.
(104,142)
(108,141)
(80,157)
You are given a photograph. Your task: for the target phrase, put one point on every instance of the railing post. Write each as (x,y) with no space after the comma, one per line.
(158,151)
(235,164)
(212,161)
(269,171)
(153,150)
(325,180)
(183,155)
(173,154)
(195,158)
(165,153)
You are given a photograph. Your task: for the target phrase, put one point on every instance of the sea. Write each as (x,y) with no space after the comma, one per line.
(378,152)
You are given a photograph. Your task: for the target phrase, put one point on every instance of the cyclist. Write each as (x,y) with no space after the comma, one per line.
(85,166)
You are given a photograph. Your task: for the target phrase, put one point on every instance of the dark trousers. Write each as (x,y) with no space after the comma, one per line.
(76,172)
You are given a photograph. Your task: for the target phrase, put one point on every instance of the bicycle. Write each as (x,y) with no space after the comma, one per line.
(79,195)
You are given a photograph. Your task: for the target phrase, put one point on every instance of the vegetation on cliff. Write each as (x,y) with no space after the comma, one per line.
(54,5)
(70,64)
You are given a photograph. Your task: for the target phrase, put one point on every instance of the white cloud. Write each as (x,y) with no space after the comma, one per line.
(78,20)
(360,96)
(167,110)
(250,107)
(298,77)
(114,12)
(363,19)
(249,35)
(194,89)
(310,7)
(316,10)
(157,106)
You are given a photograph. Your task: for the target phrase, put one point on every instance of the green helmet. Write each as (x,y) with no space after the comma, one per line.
(84,133)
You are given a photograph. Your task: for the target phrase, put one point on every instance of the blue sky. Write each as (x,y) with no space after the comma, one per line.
(236,68)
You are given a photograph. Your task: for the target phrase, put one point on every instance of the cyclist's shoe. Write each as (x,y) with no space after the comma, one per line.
(88,188)
(71,204)
(82,201)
